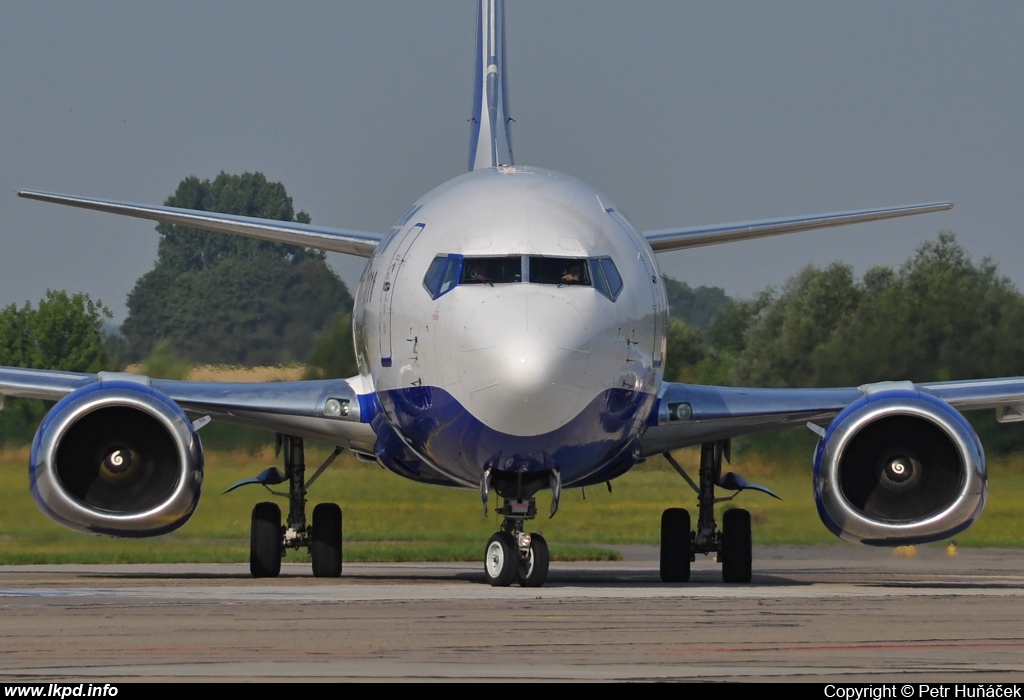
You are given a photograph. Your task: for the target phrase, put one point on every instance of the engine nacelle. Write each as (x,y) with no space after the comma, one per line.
(117,458)
(899,467)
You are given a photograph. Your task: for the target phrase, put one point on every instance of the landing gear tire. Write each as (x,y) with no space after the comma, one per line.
(501,559)
(675,545)
(265,543)
(325,541)
(736,546)
(533,569)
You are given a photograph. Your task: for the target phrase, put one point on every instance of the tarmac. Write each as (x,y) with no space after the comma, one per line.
(833,614)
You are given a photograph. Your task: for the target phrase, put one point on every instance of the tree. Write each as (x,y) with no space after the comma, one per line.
(64,332)
(334,353)
(697,306)
(939,317)
(223,299)
(685,351)
(729,327)
(782,342)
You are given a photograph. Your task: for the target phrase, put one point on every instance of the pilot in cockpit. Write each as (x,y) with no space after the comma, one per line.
(572,275)
(478,273)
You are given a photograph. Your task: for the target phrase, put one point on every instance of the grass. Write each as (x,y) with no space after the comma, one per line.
(390,519)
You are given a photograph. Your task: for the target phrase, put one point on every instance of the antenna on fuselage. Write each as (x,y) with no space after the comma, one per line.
(490,141)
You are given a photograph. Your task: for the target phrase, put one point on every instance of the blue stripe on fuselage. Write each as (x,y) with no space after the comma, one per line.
(437,427)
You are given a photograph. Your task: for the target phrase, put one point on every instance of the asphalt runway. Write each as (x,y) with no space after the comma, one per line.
(825,614)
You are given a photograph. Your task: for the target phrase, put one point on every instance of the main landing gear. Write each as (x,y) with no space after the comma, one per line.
(732,544)
(513,555)
(269,538)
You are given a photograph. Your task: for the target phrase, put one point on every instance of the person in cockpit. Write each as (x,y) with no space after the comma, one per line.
(572,275)
(478,273)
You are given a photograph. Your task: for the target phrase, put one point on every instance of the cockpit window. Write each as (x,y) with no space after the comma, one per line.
(505,270)
(606,277)
(442,274)
(448,271)
(560,271)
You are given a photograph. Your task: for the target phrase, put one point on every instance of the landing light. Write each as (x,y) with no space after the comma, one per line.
(336,408)
(680,411)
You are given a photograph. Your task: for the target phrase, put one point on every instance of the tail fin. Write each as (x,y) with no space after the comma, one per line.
(490,141)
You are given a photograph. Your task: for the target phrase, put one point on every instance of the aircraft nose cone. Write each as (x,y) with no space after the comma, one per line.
(525,362)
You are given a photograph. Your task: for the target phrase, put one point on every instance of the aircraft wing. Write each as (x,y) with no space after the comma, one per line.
(296,408)
(713,413)
(359,243)
(665,240)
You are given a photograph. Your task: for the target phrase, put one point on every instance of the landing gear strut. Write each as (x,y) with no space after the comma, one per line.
(513,555)
(269,539)
(732,543)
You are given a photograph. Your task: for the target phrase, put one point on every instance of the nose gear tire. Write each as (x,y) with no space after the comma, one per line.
(533,570)
(501,559)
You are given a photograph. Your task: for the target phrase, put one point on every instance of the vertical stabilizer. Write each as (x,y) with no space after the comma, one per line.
(490,142)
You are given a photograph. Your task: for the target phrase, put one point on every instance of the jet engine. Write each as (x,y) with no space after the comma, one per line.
(117,458)
(899,467)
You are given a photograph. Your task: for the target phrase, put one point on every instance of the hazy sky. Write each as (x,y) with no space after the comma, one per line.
(684,113)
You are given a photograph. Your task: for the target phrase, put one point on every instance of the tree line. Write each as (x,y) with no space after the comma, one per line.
(938,316)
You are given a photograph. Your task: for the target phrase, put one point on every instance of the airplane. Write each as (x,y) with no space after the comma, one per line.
(510,332)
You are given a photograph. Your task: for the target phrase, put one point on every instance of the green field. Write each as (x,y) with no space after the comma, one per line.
(387,518)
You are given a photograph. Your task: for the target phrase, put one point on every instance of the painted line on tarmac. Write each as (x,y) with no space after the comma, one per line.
(433,591)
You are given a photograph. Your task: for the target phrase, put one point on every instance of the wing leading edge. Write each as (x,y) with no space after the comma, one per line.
(334,240)
(668,239)
(295,408)
(721,413)
(715,413)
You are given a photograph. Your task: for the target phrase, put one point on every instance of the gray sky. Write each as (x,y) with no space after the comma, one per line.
(684,113)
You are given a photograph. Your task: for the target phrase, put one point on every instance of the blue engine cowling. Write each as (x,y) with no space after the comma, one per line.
(117,458)
(899,467)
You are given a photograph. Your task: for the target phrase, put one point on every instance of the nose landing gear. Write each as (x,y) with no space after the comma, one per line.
(513,555)
(516,557)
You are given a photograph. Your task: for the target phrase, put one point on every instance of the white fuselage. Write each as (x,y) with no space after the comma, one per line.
(496,335)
